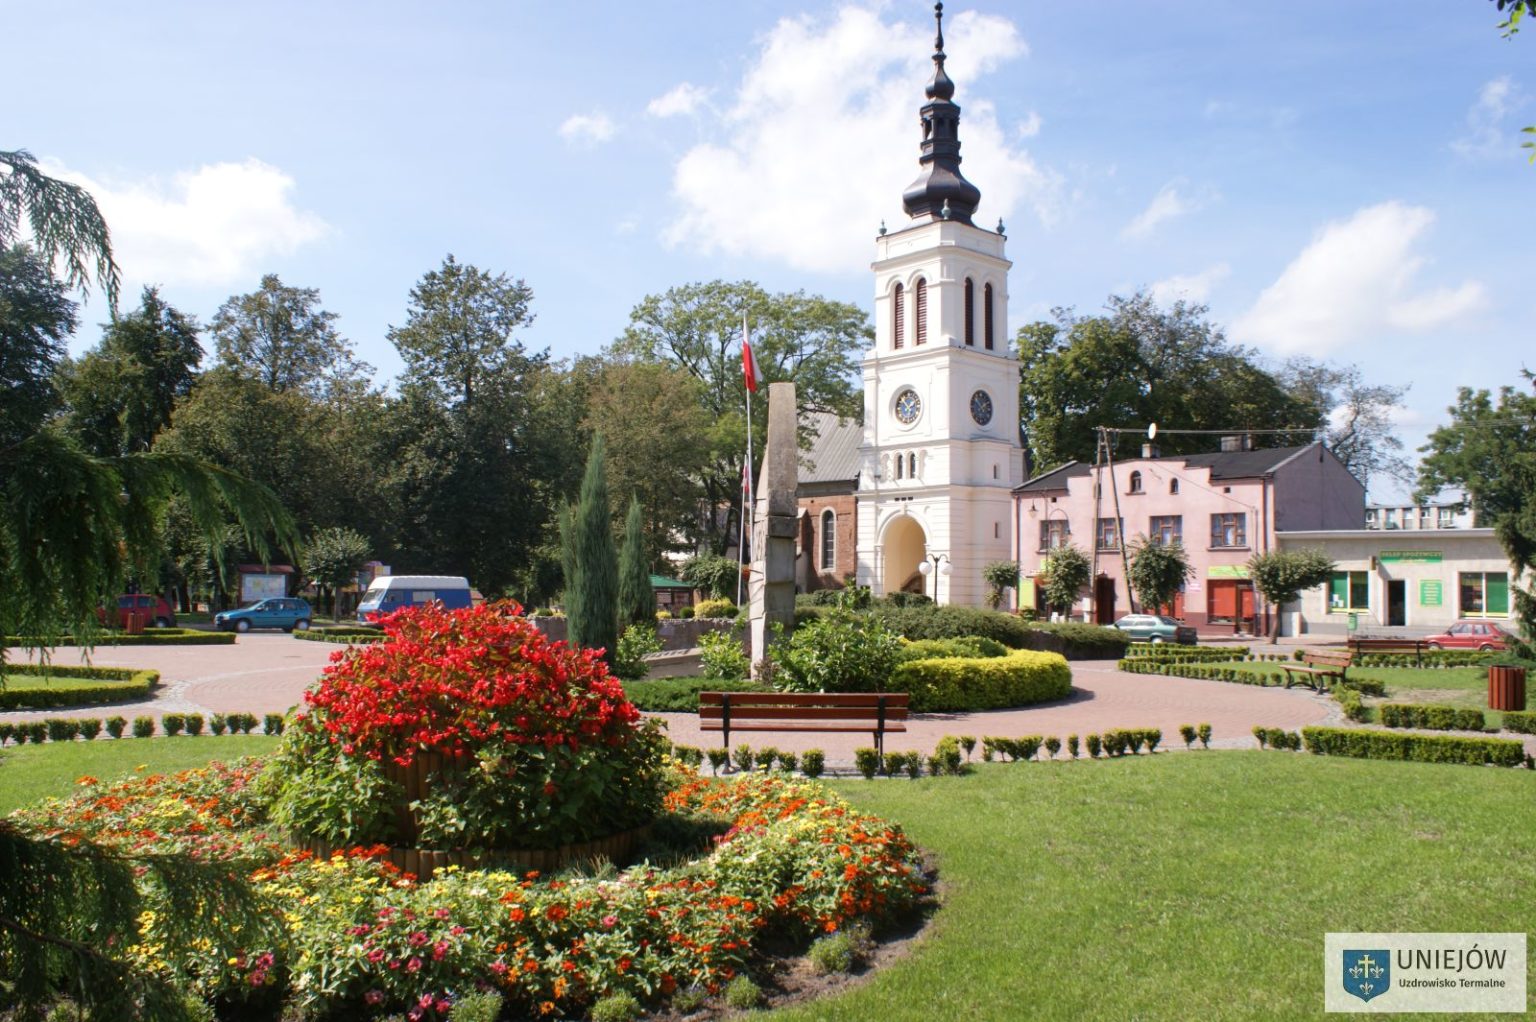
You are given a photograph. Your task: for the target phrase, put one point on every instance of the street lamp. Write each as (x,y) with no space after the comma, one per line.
(932,566)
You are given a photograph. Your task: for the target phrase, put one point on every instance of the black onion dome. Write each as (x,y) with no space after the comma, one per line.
(940,190)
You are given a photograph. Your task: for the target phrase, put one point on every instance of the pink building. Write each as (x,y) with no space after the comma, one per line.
(1222,507)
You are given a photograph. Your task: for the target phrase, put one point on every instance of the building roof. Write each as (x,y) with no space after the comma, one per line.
(1223,465)
(663,582)
(834,455)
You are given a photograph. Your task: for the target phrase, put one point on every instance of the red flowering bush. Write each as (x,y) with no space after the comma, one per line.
(545,748)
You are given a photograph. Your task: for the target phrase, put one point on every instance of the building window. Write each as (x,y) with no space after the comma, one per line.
(994,471)
(1349,590)
(970,312)
(901,465)
(1109,534)
(898,316)
(920,312)
(986,316)
(1173,486)
(997,531)
(1391,517)
(1054,534)
(828,540)
(1484,593)
(1136,483)
(1229,530)
(1446,518)
(912,465)
(1167,529)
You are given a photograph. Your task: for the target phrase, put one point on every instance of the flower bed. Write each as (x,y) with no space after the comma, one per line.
(357,938)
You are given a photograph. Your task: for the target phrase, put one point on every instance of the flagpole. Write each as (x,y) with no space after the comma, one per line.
(748,512)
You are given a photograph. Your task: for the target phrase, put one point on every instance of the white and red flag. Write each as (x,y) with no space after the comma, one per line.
(748,360)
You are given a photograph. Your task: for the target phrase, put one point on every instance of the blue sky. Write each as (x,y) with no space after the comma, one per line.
(1335,179)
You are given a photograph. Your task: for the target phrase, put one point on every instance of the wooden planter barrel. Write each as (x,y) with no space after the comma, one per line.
(1506,688)
(417,782)
(423,862)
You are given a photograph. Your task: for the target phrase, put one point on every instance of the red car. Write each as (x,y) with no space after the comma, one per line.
(1483,635)
(155,610)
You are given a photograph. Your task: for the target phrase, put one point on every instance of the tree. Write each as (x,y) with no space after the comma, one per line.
(1489,450)
(1157,572)
(637,600)
(591,593)
(713,575)
(1140,364)
(36,319)
(999,576)
(805,338)
(63,221)
(458,329)
(280,336)
(1281,575)
(1358,416)
(1513,11)
(1066,572)
(333,557)
(121,394)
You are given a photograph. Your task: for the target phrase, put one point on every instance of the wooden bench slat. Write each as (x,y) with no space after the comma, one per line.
(800,713)
(764,725)
(844,699)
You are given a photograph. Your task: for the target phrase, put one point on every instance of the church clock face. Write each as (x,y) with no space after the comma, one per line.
(981,407)
(908,407)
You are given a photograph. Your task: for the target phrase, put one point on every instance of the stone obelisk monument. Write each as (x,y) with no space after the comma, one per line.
(772,583)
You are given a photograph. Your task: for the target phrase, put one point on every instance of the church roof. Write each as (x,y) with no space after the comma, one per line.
(1223,465)
(834,456)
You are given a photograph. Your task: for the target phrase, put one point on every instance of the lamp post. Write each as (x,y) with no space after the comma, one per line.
(932,566)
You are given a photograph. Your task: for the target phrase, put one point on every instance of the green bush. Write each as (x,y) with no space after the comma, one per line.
(744,758)
(742,994)
(143,727)
(1520,721)
(271,724)
(844,652)
(115,726)
(1095,744)
(767,755)
(914,763)
(194,724)
(789,762)
(90,727)
(1203,732)
(723,658)
(118,684)
(946,622)
(812,763)
(1430,658)
(1359,744)
(148,637)
(716,609)
(1052,746)
(1076,640)
(218,724)
(61,729)
(173,723)
(867,760)
(1173,651)
(718,758)
(840,952)
(635,644)
(1073,747)
(1260,732)
(1430,717)
(36,730)
(948,753)
(351,634)
(955,684)
(971,646)
(612,1008)
(485,1006)
(1349,701)
(893,763)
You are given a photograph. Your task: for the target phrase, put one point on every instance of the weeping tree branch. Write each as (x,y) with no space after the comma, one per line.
(63,221)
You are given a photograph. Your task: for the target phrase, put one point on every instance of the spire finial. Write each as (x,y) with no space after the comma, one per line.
(938,19)
(941,88)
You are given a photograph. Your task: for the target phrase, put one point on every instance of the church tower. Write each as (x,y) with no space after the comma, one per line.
(941,452)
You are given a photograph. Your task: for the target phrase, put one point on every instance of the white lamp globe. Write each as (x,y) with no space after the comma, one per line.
(926,568)
(944,568)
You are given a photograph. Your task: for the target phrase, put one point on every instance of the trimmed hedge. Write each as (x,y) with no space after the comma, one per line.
(949,684)
(359,634)
(1520,721)
(119,684)
(1077,641)
(945,622)
(973,646)
(1359,744)
(1228,672)
(149,637)
(1173,651)
(1431,658)
(1430,716)
(680,695)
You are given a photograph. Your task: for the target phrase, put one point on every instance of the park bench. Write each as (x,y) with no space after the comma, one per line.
(1319,665)
(879,713)
(1414,646)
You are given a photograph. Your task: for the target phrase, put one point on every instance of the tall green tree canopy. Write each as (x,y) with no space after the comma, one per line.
(62,220)
(36,319)
(458,330)
(281,337)
(814,342)
(1357,416)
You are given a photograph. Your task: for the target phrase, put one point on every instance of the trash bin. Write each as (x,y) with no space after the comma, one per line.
(134,622)
(1506,688)
(1354,621)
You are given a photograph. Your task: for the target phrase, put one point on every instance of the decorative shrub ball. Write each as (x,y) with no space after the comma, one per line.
(528,743)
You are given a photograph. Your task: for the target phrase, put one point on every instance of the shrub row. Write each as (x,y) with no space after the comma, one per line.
(67,729)
(1350,702)
(1170,651)
(715,609)
(1278,738)
(1359,744)
(812,762)
(1521,721)
(680,695)
(1077,641)
(358,634)
(1430,658)
(970,646)
(148,637)
(1430,716)
(120,684)
(1233,673)
(951,684)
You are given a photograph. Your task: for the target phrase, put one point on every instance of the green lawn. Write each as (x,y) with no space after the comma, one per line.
(1176,886)
(1450,686)
(17,681)
(31,772)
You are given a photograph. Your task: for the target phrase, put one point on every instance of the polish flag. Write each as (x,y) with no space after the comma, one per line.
(748,360)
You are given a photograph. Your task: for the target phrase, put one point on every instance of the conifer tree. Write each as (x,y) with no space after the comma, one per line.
(637,601)
(592,591)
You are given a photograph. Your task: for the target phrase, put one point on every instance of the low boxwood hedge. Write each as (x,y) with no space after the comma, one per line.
(1077,641)
(1361,744)
(1430,716)
(341,633)
(1234,673)
(953,684)
(148,637)
(944,622)
(116,685)
(680,695)
(1430,658)
(971,646)
(1174,651)
(1520,721)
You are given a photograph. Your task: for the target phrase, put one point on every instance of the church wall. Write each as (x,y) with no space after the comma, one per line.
(813,575)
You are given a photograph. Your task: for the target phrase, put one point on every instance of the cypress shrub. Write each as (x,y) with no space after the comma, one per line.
(592,594)
(637,601)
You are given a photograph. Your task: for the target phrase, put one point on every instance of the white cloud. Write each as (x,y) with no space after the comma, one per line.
(1195,287)
(684,98)
(1354,281)
(1485,135)
(1167,204)
(218,224)
(587,129)
(822,138)
(1030,126)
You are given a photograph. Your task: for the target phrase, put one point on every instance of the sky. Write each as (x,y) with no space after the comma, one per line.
(1339,180)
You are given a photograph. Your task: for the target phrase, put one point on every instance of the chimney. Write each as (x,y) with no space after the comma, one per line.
(1150,451)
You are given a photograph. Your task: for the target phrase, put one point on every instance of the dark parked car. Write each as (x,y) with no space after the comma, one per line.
(1483,635)
(288,613)
(1156,628)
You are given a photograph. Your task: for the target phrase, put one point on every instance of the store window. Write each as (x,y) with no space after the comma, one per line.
(1484,594)
(1349,590)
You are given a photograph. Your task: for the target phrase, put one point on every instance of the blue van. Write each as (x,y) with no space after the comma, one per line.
(388,593)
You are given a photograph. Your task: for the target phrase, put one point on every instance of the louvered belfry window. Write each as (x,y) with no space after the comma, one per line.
(920,311)
(898,316)
(986,316)
(970,312)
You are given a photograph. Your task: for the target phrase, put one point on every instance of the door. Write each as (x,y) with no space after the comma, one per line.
(1104,600)
(1397,602)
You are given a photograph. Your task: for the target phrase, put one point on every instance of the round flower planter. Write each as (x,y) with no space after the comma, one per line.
(423,862)
(417,782)
(1506,688)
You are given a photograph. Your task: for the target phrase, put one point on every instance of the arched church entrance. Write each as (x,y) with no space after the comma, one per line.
(902,549)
